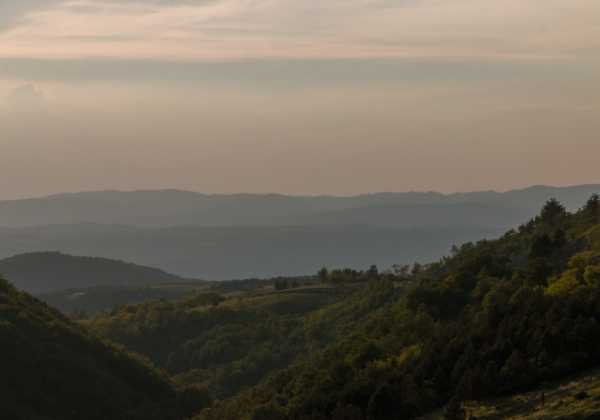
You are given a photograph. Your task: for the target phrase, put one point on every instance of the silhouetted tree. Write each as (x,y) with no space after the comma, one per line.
(592,209)
(323,274)
(553,211)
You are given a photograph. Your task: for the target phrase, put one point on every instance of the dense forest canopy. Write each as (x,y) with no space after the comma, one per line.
(496,317)
(87,301)
(226,344)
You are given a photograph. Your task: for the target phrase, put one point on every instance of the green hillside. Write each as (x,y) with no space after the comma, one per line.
(573,398)
(495,318)
(54,369)
(225,342)
(82,302)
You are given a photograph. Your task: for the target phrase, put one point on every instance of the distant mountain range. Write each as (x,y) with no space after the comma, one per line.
(222,253)
(50,271)
(176,208)
(239,236)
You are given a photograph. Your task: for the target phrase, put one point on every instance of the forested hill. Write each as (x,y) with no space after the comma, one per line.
(496,317)
(50,271)
(53,369)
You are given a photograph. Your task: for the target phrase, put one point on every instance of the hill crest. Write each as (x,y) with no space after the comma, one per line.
(39,272)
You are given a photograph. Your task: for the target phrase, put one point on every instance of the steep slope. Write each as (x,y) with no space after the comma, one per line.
(573,398)
(496,318)
(92,300)
(226,344)
(50,271)
(53,369)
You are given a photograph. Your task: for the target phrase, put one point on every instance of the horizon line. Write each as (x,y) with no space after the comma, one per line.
(293,195)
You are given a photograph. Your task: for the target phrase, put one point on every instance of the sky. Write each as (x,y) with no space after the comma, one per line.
(298,97)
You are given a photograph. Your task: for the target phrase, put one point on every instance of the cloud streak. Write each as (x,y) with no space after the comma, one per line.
(291,73)
(238,29)
(12,12)
(335,96)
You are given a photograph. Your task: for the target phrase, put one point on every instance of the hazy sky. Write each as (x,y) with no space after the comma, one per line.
(298,96)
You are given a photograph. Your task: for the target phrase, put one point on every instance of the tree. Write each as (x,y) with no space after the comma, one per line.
(401,271)
(541,247)
(592,209)
(323,274)
(384,401)
(538,272)
(281,284)
(553,211)
(454,410)
(416,269)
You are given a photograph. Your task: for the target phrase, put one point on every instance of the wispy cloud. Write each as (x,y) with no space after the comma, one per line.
(235,29)
(13,12)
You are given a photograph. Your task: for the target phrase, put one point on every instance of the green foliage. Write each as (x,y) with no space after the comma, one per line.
(497,317)
(454,410)
(99,299)
(553,212)
(224,344)
(591,210)
(54,369)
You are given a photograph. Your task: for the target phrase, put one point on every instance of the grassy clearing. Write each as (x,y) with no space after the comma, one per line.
(576,398)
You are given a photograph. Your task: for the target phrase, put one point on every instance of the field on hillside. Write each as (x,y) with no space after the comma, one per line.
(575,398)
